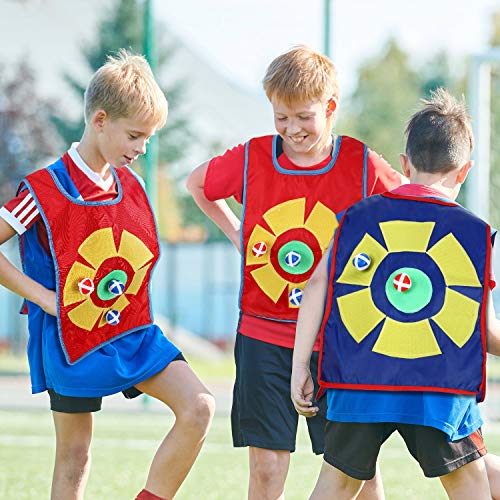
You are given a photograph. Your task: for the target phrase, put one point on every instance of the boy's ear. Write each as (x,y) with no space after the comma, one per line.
(463,171)
(405,164)
(99,119)
(331,107)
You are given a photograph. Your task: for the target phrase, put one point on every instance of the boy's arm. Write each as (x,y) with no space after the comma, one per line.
(493,329)
(218,210)
(17,282)
(308,324)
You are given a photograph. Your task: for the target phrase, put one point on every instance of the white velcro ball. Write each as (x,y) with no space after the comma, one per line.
(361,261)
(116,287)
(86,286)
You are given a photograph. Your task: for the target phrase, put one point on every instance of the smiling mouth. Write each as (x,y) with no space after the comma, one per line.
(129,160)
(297,139)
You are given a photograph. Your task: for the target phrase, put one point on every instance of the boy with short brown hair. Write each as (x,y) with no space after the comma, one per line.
(89,244)
(407,321)
(293,186)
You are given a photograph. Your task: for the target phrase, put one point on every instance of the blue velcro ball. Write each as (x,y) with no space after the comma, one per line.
(113,317)
(361,262)
(295,296)
(292,258)
(116,287)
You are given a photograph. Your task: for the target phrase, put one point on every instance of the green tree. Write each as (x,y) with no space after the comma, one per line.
(387,92)
(495,127)
(122,27)
(27,138)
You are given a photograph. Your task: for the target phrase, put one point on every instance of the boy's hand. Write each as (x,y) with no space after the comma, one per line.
(49,302)
(302,389)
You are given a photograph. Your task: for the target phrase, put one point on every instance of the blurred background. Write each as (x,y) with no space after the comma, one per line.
(210,58)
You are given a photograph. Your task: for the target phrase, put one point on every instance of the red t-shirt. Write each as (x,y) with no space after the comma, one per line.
(224,178)
(22,213)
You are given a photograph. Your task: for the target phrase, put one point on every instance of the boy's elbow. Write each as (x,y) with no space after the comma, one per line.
(196,179)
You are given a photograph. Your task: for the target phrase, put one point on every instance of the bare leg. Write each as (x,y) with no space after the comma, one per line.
(469,481)
(268,470)
(72,463)
(493,469)
(193,405)
(373,489)
(333,484)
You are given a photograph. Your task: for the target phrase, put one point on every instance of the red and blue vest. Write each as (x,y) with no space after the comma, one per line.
(288,220)
(103,255)
(406,305)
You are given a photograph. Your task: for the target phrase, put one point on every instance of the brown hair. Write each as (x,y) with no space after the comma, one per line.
(439,136)
(125,87)
(301,75)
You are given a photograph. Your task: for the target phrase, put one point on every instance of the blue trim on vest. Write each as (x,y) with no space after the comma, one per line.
(242,220)
(57,166)
(319,171)
(365,171)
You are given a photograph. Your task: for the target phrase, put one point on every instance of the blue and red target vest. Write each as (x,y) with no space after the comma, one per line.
(288,220)
(103,255)
(406,305)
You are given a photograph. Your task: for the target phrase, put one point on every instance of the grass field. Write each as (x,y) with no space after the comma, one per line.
(124,445)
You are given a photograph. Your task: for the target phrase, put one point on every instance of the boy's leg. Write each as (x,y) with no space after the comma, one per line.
(73,422)
(458,464)
(469,481)
(193,405)
(493,469)
(333,483)
(263,417)
(268,471)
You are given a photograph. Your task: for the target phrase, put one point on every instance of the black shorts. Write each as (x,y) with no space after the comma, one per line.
(72,404)
(354,447)
(263,414)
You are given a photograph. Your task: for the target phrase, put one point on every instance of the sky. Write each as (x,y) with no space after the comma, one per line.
(240,37)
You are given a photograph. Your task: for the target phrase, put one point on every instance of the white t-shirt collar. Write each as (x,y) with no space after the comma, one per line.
(93,176)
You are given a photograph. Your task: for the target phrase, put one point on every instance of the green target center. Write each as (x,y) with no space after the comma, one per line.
(102,287)
(416,297)
(295,257)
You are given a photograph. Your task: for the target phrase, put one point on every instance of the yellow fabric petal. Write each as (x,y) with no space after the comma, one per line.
(453,261)
(285,216)
(99,246)
(71,293)
(269,281)
(322,223)
(407,340)
(85,315)
(458,317)
(359,313)
(407,236)
(259,234)
(375,251)
(133,250)
(137,280)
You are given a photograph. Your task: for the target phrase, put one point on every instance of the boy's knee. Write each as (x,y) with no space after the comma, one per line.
(74,460)
(200,414)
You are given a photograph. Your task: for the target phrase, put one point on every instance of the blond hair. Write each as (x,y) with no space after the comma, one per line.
(301,75)
(125,87)
(439,136)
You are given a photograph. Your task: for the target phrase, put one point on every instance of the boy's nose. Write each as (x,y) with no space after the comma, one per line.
(293,127)
(141,148)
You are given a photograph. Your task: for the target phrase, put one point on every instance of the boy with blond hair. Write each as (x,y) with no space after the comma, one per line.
(88,246)
(293,186)
(407,321)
